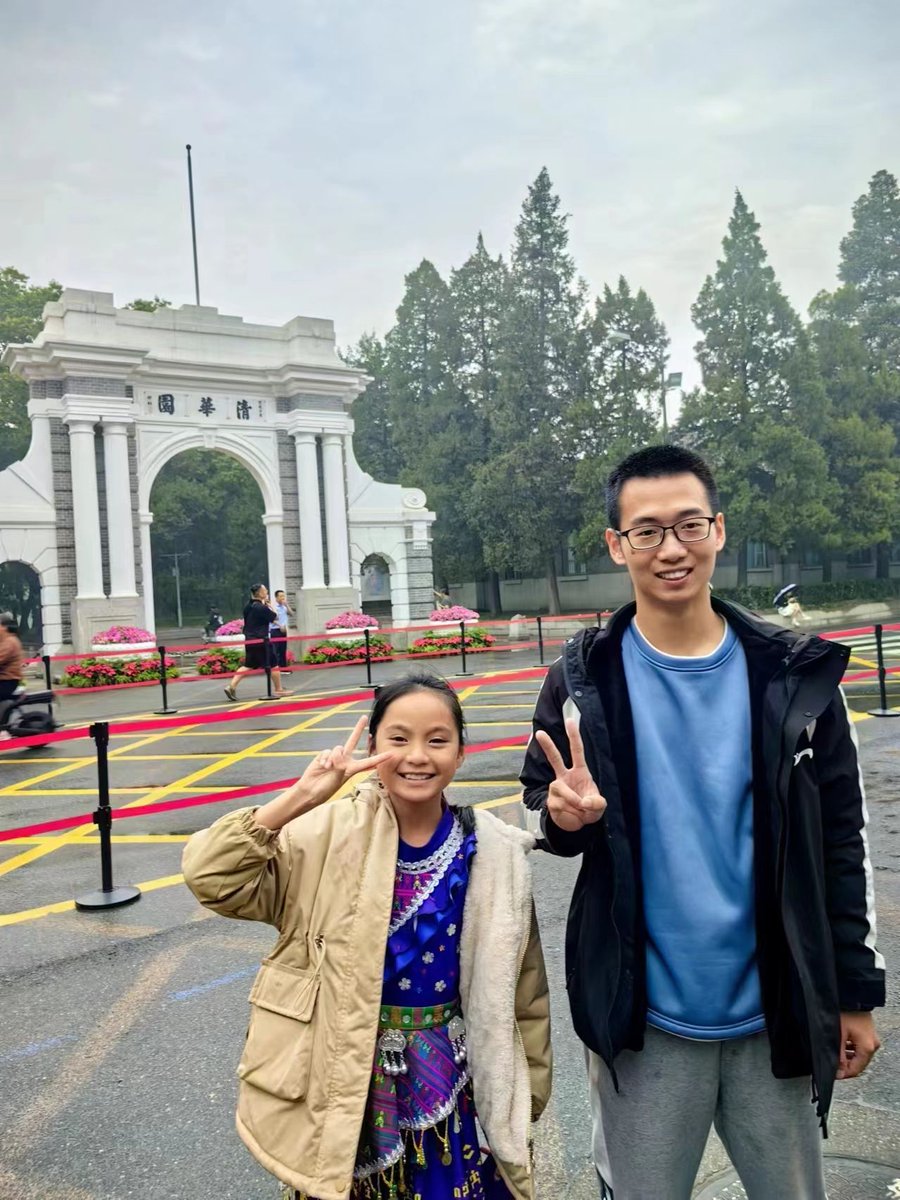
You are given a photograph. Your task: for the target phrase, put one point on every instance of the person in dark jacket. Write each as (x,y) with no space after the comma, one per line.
(720,953)
(258,617)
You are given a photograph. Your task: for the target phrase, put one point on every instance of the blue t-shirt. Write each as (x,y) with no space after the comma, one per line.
(695,786)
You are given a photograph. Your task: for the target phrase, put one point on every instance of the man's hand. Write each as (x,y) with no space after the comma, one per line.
(573,799)
(859,1041)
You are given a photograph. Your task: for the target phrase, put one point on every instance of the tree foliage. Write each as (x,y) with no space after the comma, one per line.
(21,308)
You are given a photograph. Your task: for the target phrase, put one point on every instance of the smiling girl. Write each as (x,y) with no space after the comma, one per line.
(406,991)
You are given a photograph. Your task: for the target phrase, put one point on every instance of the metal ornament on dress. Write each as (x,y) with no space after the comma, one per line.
(456,1032)
(392,1047)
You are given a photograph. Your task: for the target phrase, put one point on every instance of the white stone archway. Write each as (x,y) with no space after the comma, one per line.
(115,394)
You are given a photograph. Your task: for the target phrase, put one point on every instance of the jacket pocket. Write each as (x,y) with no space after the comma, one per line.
(278,1051)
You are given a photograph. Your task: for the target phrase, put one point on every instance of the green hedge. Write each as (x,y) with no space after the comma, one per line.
(817,595)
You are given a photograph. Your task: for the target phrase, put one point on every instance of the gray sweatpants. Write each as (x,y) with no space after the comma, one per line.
(650,1136)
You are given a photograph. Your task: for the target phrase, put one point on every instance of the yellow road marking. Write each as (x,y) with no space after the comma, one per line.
(157,793)
(78,834)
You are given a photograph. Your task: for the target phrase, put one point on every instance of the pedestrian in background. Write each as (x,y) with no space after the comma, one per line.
(721,944)
(258,618)
(279,630)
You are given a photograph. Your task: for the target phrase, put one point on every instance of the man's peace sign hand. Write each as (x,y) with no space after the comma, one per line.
(573,799)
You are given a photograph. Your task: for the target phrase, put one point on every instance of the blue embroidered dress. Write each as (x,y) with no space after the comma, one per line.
(419,1139)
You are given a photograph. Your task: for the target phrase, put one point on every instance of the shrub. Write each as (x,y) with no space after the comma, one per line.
(349,651)
(119,634)
(838,593)
(449,643)
(220,662)
(97,672)
(351,619)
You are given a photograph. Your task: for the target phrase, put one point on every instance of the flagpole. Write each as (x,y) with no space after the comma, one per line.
(193,225)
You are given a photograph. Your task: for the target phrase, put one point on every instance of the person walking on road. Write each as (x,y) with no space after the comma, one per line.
(258,617)
(407,991)
(721,961)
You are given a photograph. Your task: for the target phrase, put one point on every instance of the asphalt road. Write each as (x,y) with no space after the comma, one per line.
(123,1028)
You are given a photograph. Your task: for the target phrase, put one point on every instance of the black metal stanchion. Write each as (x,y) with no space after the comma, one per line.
(884,711)
(540,629)
(48,681)
(267,646)
(368,657)
(462,650)
(165,711)
(108,896)
(599,620)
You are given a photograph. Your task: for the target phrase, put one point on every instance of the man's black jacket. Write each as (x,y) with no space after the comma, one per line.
(815,920)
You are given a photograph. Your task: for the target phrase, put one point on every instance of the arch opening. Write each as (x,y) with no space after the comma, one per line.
(208,511)
(375,588)
(20,594)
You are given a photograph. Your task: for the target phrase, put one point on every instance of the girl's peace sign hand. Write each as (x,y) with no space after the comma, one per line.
(573,799)
(328,771)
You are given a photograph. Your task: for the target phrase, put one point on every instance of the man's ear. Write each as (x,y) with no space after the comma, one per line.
(614,546)
(720,531)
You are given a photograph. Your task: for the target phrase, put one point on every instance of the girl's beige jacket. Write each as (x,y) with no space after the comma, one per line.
(326,883)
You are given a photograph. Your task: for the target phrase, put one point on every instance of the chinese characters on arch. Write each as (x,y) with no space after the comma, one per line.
(216,408)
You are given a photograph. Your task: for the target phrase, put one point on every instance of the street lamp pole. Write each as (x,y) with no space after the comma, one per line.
(176,571)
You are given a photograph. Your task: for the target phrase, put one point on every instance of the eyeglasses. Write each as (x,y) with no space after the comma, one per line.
(648,537)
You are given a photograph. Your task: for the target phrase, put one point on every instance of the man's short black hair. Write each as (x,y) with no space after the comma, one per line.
(656,462)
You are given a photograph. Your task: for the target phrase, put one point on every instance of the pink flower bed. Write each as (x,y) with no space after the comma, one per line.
(351,620)
(230,628)
(119,634)
(457,613)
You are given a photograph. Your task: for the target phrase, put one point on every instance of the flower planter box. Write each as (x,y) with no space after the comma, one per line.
(345,635)
(124,649)
(229,638)
(454,624)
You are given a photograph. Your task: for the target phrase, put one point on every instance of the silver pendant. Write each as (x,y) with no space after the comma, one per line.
(456,1032)
(391,1046)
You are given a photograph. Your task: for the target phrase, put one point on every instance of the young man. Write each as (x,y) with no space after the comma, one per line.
(279,629)
(720,951)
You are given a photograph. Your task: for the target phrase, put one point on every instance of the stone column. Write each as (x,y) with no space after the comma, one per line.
(85,510)
(274,523)
(311,561)
(146,519)
(118,510)
(336,511)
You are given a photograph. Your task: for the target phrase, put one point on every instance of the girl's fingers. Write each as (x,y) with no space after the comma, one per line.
(353,740)
(576,745)
(553,756)
(355,766)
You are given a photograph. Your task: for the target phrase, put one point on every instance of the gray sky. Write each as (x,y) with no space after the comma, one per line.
(336,143)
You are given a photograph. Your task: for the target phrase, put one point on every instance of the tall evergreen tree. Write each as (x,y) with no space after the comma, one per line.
(629,353)
(870,268)
(479,294)
(762,400)
(21,306)
(373,432)
(544,370)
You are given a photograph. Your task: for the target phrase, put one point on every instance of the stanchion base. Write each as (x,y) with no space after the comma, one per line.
(463,674)
(112,899)
(884,712)
(164,712)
